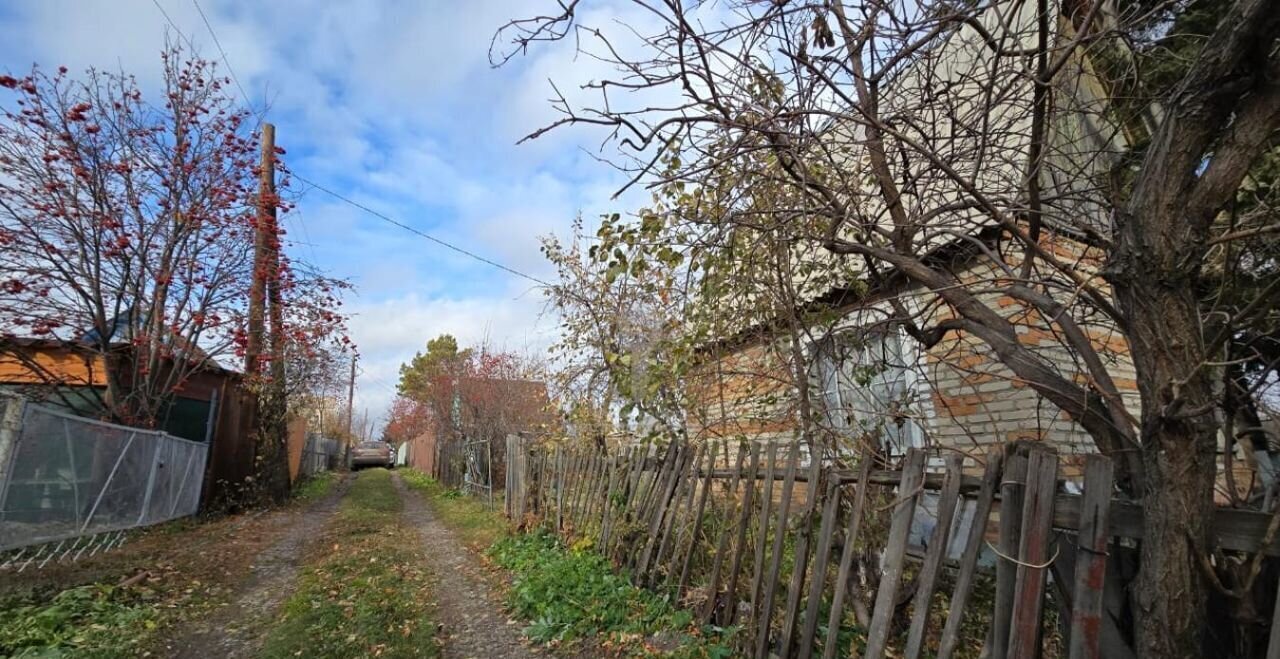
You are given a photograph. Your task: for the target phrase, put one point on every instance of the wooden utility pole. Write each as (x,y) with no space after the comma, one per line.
(275,299)
(261,241)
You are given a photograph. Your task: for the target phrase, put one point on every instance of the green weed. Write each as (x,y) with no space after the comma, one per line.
(315,487)
(92,620)
(568,595)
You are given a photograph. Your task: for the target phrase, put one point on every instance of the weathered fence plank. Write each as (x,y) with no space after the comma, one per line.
(801,562)
(851,531)
(818,575)
(691,539)
(1033,555)
(732,504)
(948,499)
(895,551)
(740,546)
(1011,492)
(764,614)
(1091,560)
(762,530)
(973,547)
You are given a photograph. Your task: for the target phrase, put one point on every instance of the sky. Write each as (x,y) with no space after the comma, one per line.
(392,104)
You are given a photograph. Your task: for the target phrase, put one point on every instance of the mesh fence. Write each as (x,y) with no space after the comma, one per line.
(64,476)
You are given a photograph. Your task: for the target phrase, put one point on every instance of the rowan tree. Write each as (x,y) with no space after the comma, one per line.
(127,227)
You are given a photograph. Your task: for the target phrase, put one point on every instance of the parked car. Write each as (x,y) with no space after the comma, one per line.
(372,454)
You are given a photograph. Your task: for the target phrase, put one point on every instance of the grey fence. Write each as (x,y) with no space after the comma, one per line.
(63,476)
(319,454)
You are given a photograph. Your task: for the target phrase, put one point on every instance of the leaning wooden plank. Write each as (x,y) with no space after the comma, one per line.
(599,499)
(612,466)
(764,614)
(683,526)
(818,576)
(691,541)
(1091,560)
(626,496)
(650,483)
(580,484)
(762,532)
(722,543)
(948,497)
(573,458)
(589,498)
(559,476)
(972,549)
(1033,555)
(1012,489)
(730,612)
(851,530)
(895,552)
(686,478)
(801,562)
(657,513)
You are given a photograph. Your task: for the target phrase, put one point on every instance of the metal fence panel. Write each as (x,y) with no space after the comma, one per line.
(63,476)
(319,454)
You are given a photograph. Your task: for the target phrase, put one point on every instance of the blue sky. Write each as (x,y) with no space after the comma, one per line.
(393,104)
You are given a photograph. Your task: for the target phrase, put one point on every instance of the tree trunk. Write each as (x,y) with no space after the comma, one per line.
(1179,439)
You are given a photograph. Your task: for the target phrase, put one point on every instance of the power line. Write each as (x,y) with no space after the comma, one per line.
(419,233)
(222,52)
(321,188)
(173,25)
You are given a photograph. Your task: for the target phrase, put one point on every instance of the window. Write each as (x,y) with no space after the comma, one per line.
(867,382)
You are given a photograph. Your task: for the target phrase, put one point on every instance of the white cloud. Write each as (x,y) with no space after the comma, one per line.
(390,332)
(392,104)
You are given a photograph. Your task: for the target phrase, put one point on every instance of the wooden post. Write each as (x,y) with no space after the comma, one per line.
(1091,561)
(351,415)
(1011,492)
(1033,555)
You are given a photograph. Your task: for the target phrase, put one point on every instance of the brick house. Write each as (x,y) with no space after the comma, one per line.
(863,376)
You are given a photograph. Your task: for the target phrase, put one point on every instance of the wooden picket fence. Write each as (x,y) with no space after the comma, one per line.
(806,558)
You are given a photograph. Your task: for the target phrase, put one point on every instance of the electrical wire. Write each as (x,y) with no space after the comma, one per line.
(324,189)
(422,234)
(222,52)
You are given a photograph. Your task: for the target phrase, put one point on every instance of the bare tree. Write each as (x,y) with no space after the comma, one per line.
(1093,156)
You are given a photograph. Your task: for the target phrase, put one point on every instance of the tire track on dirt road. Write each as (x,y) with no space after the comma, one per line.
(237,629)
(469,611)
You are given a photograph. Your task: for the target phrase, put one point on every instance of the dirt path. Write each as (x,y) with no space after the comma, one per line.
(468,607)
(236,629)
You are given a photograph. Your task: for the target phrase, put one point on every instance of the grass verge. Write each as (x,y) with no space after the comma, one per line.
(568,594)
(316,486)
(476,525)
(364,595)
